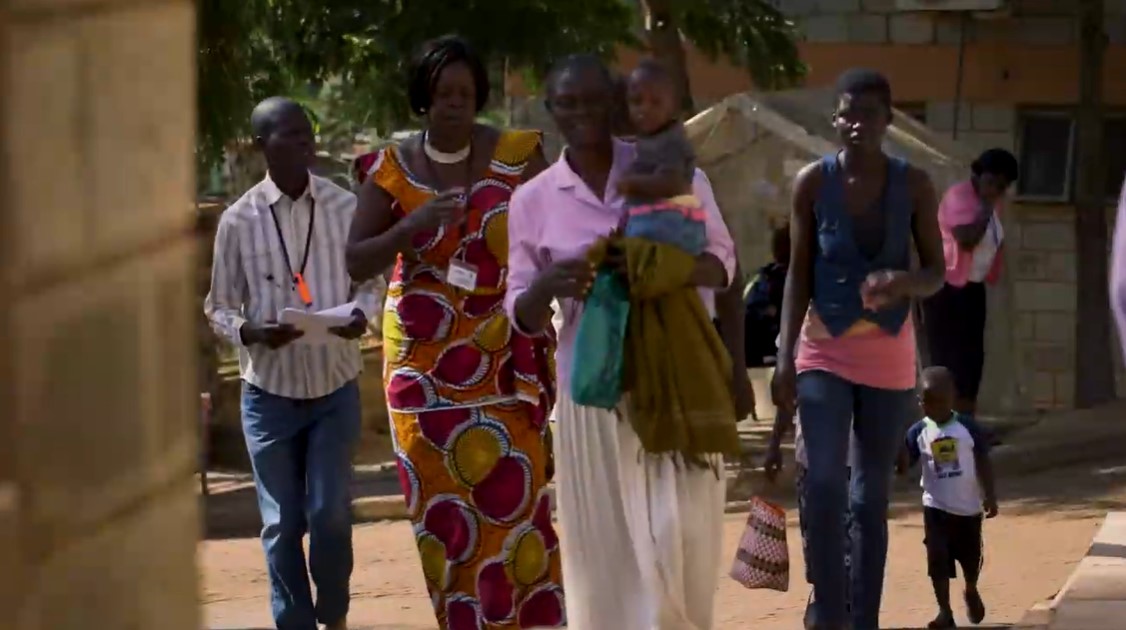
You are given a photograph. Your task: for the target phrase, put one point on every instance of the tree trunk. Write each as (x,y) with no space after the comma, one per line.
(667,46)
(1094,367)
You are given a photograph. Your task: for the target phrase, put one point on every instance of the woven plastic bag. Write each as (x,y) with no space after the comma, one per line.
(762,560)
(596,369)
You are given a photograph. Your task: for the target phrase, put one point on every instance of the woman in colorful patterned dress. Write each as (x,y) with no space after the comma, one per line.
(469,395)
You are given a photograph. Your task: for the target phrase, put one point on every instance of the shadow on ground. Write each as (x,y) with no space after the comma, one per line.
(1057,464)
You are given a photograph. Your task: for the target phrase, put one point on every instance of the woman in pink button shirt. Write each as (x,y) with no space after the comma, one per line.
(972,238)
(642,535)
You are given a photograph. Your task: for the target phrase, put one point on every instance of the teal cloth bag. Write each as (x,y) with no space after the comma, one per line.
(599,357)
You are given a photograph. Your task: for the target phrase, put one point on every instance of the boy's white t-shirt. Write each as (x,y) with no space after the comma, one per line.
(948,455)
(799,446)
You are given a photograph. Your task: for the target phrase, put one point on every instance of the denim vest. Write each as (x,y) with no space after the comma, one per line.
(839,267)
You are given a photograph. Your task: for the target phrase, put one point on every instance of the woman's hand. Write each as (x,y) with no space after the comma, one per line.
(565,279)
(446,208)
(882,289)
(616,259)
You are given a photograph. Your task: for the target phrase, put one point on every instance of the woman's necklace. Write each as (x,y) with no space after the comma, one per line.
(441,157)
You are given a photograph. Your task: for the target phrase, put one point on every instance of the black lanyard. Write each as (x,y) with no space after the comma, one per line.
(298,275)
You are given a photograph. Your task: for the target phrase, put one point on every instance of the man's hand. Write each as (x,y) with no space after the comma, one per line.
(271,334)
(991,507)
(352,331)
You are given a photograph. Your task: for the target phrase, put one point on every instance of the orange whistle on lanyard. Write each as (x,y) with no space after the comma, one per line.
(303,290)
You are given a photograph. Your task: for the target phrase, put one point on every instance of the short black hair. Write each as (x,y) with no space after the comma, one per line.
(938,376)
(864,81)
(998,162)
(579,61)
(266,114)
(435,56)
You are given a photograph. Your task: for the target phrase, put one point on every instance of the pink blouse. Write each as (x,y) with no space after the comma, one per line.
(555,216)
(960,206)
(864,355)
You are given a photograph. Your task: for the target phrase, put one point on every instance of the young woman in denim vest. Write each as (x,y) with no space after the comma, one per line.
(847,353)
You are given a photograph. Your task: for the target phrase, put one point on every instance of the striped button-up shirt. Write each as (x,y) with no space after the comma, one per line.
(250,283)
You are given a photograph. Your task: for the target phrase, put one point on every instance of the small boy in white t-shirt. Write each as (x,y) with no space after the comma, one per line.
(958,492)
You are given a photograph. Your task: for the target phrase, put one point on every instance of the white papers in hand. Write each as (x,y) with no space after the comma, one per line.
(316,325)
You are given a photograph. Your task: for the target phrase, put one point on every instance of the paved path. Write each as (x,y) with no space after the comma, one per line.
(1046,527)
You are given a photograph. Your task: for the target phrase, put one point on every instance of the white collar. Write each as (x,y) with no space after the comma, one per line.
(272,194)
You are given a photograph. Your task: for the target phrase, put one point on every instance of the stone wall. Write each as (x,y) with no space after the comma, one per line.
(98,518)
(1030,22)
(1041,274)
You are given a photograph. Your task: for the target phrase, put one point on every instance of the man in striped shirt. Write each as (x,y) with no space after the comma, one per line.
(282,245)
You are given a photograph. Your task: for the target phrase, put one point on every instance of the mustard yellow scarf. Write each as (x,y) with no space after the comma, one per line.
(677,372)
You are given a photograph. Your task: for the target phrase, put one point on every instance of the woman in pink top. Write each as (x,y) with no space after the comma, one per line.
(847,353)
(643,534)
(972,239)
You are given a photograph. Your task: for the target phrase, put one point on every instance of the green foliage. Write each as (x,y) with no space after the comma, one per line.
(347,60)
(752,33)
(353,55)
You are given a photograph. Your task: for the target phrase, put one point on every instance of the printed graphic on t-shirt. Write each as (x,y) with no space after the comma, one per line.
(945,453)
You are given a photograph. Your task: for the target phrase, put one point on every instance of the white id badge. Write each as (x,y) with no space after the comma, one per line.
(462,275)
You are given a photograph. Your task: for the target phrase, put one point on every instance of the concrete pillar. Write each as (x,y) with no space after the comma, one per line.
(98,394)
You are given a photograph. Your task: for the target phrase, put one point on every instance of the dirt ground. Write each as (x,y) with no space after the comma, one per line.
(1045,527)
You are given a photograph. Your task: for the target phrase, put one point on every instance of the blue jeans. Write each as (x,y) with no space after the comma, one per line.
(301,451)
(828,406)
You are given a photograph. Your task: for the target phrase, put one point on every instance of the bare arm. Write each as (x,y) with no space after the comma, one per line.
(969,235)
(376,237)
(984,465)
(782,425)
(709,272)
(729,309)
(532,309)
(928,239)
(799,277)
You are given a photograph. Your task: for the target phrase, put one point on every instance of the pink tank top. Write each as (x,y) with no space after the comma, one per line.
(865,354)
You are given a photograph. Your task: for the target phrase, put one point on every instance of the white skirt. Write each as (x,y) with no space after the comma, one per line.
(642,535)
